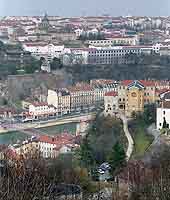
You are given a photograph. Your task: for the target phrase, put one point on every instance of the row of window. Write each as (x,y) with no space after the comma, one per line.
(111,41)
(115,51)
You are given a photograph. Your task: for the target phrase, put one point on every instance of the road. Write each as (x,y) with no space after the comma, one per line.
(128,135)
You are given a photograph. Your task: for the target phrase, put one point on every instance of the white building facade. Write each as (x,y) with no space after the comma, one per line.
(111,103)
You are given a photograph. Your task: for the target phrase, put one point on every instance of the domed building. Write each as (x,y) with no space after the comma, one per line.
(45,24)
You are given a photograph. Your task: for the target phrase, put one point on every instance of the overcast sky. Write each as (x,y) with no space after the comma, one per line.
(85,7)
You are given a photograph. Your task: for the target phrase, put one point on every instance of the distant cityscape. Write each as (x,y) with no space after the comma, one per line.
(104,75)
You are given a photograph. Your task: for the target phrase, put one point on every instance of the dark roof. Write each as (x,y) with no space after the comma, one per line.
(136,84)
(167,95)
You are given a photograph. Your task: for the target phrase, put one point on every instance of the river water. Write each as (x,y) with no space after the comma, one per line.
(13,137)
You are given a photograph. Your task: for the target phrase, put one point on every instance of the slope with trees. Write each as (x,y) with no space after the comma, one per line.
(105,142)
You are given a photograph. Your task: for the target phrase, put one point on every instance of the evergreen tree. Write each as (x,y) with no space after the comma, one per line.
(86,154)
(164,123)
(117,158)
(56,63)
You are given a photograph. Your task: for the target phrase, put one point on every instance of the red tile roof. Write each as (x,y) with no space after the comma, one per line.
(62,139)
(146,83)
(112,93)
(80,87)
(47,139)
(38,104)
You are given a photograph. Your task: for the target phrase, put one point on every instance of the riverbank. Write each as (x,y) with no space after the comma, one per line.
(38,125)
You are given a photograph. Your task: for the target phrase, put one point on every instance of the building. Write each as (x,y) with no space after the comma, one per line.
(163,111)
(102,86)
(46,146)
(39,110)
(61,100)
(75,56)
(115,55)
(6,113)
(28,149)
(43,50)
(163,115)
(134,100)
(115,40)
(46,66)
(45,24)
(111,103)
(82,97)
(132,96)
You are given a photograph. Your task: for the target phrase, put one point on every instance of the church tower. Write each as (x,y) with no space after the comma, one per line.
(45,24)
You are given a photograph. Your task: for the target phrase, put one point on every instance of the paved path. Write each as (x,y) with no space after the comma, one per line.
(128,135)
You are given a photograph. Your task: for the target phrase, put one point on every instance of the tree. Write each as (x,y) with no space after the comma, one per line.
(86,154)
(56,64)
(164,124)
(117,158)
(149,114)
(32,65)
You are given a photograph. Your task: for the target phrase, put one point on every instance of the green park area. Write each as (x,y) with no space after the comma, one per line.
(142,140)
(138,128)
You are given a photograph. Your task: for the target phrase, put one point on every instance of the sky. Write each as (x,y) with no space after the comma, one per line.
(85,7)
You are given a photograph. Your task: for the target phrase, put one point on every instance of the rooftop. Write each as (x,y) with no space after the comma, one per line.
(80,87)
(112,93)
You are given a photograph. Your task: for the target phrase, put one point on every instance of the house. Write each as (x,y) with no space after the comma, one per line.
(46,146)
(7,113)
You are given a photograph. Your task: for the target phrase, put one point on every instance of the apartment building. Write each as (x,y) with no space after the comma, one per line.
(115,55)
(46,146)
(29,148)
(43,50)
(102,86)
(61,100)
(82,96)
(115,40)
(40,110)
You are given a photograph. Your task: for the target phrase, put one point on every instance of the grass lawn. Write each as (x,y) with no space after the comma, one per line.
(142,142)
(141,138)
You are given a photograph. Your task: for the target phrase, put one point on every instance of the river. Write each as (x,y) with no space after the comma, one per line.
(13,137)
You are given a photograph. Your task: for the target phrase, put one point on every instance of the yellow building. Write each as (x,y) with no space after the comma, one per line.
(133,95)
(134,98)
(28,149)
